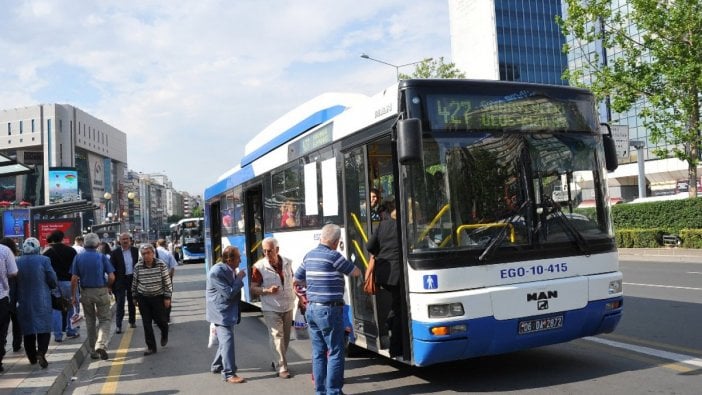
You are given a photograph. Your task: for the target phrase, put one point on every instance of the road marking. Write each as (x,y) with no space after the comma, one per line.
(664,286)
(112,379)
(694,273)
(649,343)
(680,358)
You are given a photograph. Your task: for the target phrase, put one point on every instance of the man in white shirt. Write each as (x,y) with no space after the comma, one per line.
(78,244)
(8,268)
(166,256)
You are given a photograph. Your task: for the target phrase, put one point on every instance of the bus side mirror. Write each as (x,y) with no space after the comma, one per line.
(409,141)
(610,149)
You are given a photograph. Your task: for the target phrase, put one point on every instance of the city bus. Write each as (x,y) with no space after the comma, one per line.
(188,240)
(491,263)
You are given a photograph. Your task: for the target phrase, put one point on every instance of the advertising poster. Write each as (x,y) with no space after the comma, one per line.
(69,226)
(63,185)
(13,222)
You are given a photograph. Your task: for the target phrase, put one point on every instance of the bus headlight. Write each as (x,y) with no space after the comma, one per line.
(615,287)
(446,310)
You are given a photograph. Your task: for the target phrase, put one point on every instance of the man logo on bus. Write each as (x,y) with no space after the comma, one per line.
(542,305)
(542,296)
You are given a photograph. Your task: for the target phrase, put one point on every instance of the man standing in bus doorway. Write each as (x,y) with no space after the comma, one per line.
(223,294)
(124,258)
(272,279)
(322,272)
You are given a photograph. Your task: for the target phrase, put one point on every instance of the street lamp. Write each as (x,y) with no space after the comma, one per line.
(107,196)
(397,67)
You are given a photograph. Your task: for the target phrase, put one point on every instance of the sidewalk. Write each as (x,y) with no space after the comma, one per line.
(65,358)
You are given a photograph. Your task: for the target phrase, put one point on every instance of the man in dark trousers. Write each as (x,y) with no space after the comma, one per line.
(124,258)
(61,256)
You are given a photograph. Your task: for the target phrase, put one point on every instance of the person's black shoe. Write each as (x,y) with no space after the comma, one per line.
(32,360)
(102,353)
(119,330)
(42,361)
(1,368)
(16,348)
(132,325)
(94,355)
(149,352)
(164,341)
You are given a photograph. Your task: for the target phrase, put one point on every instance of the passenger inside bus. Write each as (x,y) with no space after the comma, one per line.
(288,214)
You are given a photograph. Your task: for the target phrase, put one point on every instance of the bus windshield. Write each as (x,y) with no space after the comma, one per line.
(483,192)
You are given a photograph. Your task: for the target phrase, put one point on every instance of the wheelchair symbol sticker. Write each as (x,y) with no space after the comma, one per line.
(431,281)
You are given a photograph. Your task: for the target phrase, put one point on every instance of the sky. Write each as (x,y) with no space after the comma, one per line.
(191,82)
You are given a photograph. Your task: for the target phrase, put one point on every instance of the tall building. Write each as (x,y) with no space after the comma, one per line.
(75,156)
(510,40)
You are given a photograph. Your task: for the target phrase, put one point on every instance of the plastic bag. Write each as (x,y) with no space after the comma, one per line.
(300,325)
(213,336)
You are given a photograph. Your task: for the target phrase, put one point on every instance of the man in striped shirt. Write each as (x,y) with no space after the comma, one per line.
(152,289)
(322,272)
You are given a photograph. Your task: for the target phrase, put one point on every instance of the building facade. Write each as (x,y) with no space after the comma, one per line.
(509,40)
(75,156)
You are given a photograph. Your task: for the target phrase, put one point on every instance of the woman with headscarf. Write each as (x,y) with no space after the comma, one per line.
(35,280)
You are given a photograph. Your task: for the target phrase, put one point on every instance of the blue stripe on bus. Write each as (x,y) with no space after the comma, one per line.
(313,120)
(488,336)
(240,176)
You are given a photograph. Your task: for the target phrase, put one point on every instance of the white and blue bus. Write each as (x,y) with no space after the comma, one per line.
(491,262)
(188,240)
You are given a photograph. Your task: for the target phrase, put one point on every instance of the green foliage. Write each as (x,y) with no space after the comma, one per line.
(197,212)
(434,69)
(672,215)
(172,219)
(691,238)
(639,238)
(656,63)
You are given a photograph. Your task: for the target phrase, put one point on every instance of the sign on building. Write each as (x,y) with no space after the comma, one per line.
(620,134)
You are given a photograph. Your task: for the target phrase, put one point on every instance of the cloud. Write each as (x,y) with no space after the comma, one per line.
(190,83)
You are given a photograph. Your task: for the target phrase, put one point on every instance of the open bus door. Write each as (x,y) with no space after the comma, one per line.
(253,214)
(367,167)
(214,238)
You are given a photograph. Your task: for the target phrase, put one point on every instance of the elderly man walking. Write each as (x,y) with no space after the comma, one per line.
(322,271)
(95,274)
(272,279)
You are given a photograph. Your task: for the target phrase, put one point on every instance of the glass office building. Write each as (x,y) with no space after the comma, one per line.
(512,40)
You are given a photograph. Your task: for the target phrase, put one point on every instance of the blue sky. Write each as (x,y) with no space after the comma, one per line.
(191,82)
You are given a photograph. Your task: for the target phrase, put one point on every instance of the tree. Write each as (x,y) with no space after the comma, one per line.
(430,68)
(197,212)
(172,219)
(656,62)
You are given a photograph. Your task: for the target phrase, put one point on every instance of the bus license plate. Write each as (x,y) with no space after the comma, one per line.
(541,324)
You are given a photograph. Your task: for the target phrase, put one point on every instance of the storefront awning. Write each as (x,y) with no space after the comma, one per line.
(61,209)
(10,167)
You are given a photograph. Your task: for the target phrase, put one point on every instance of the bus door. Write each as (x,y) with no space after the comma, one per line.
(214,238)
(251,222)
(365,324)
(368,168)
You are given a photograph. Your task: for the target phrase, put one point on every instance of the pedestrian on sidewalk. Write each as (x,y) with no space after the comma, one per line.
(12,280)
(123,259)
(322,272)
(35,280)
(272,279)
(61,256)
(8,270)
(94,273)
(152,290)
(223,294)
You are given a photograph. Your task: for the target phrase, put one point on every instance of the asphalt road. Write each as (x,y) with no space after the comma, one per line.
(656,349)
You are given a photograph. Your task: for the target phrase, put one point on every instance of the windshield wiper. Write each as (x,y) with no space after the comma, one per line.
(497,240)
(568,225)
